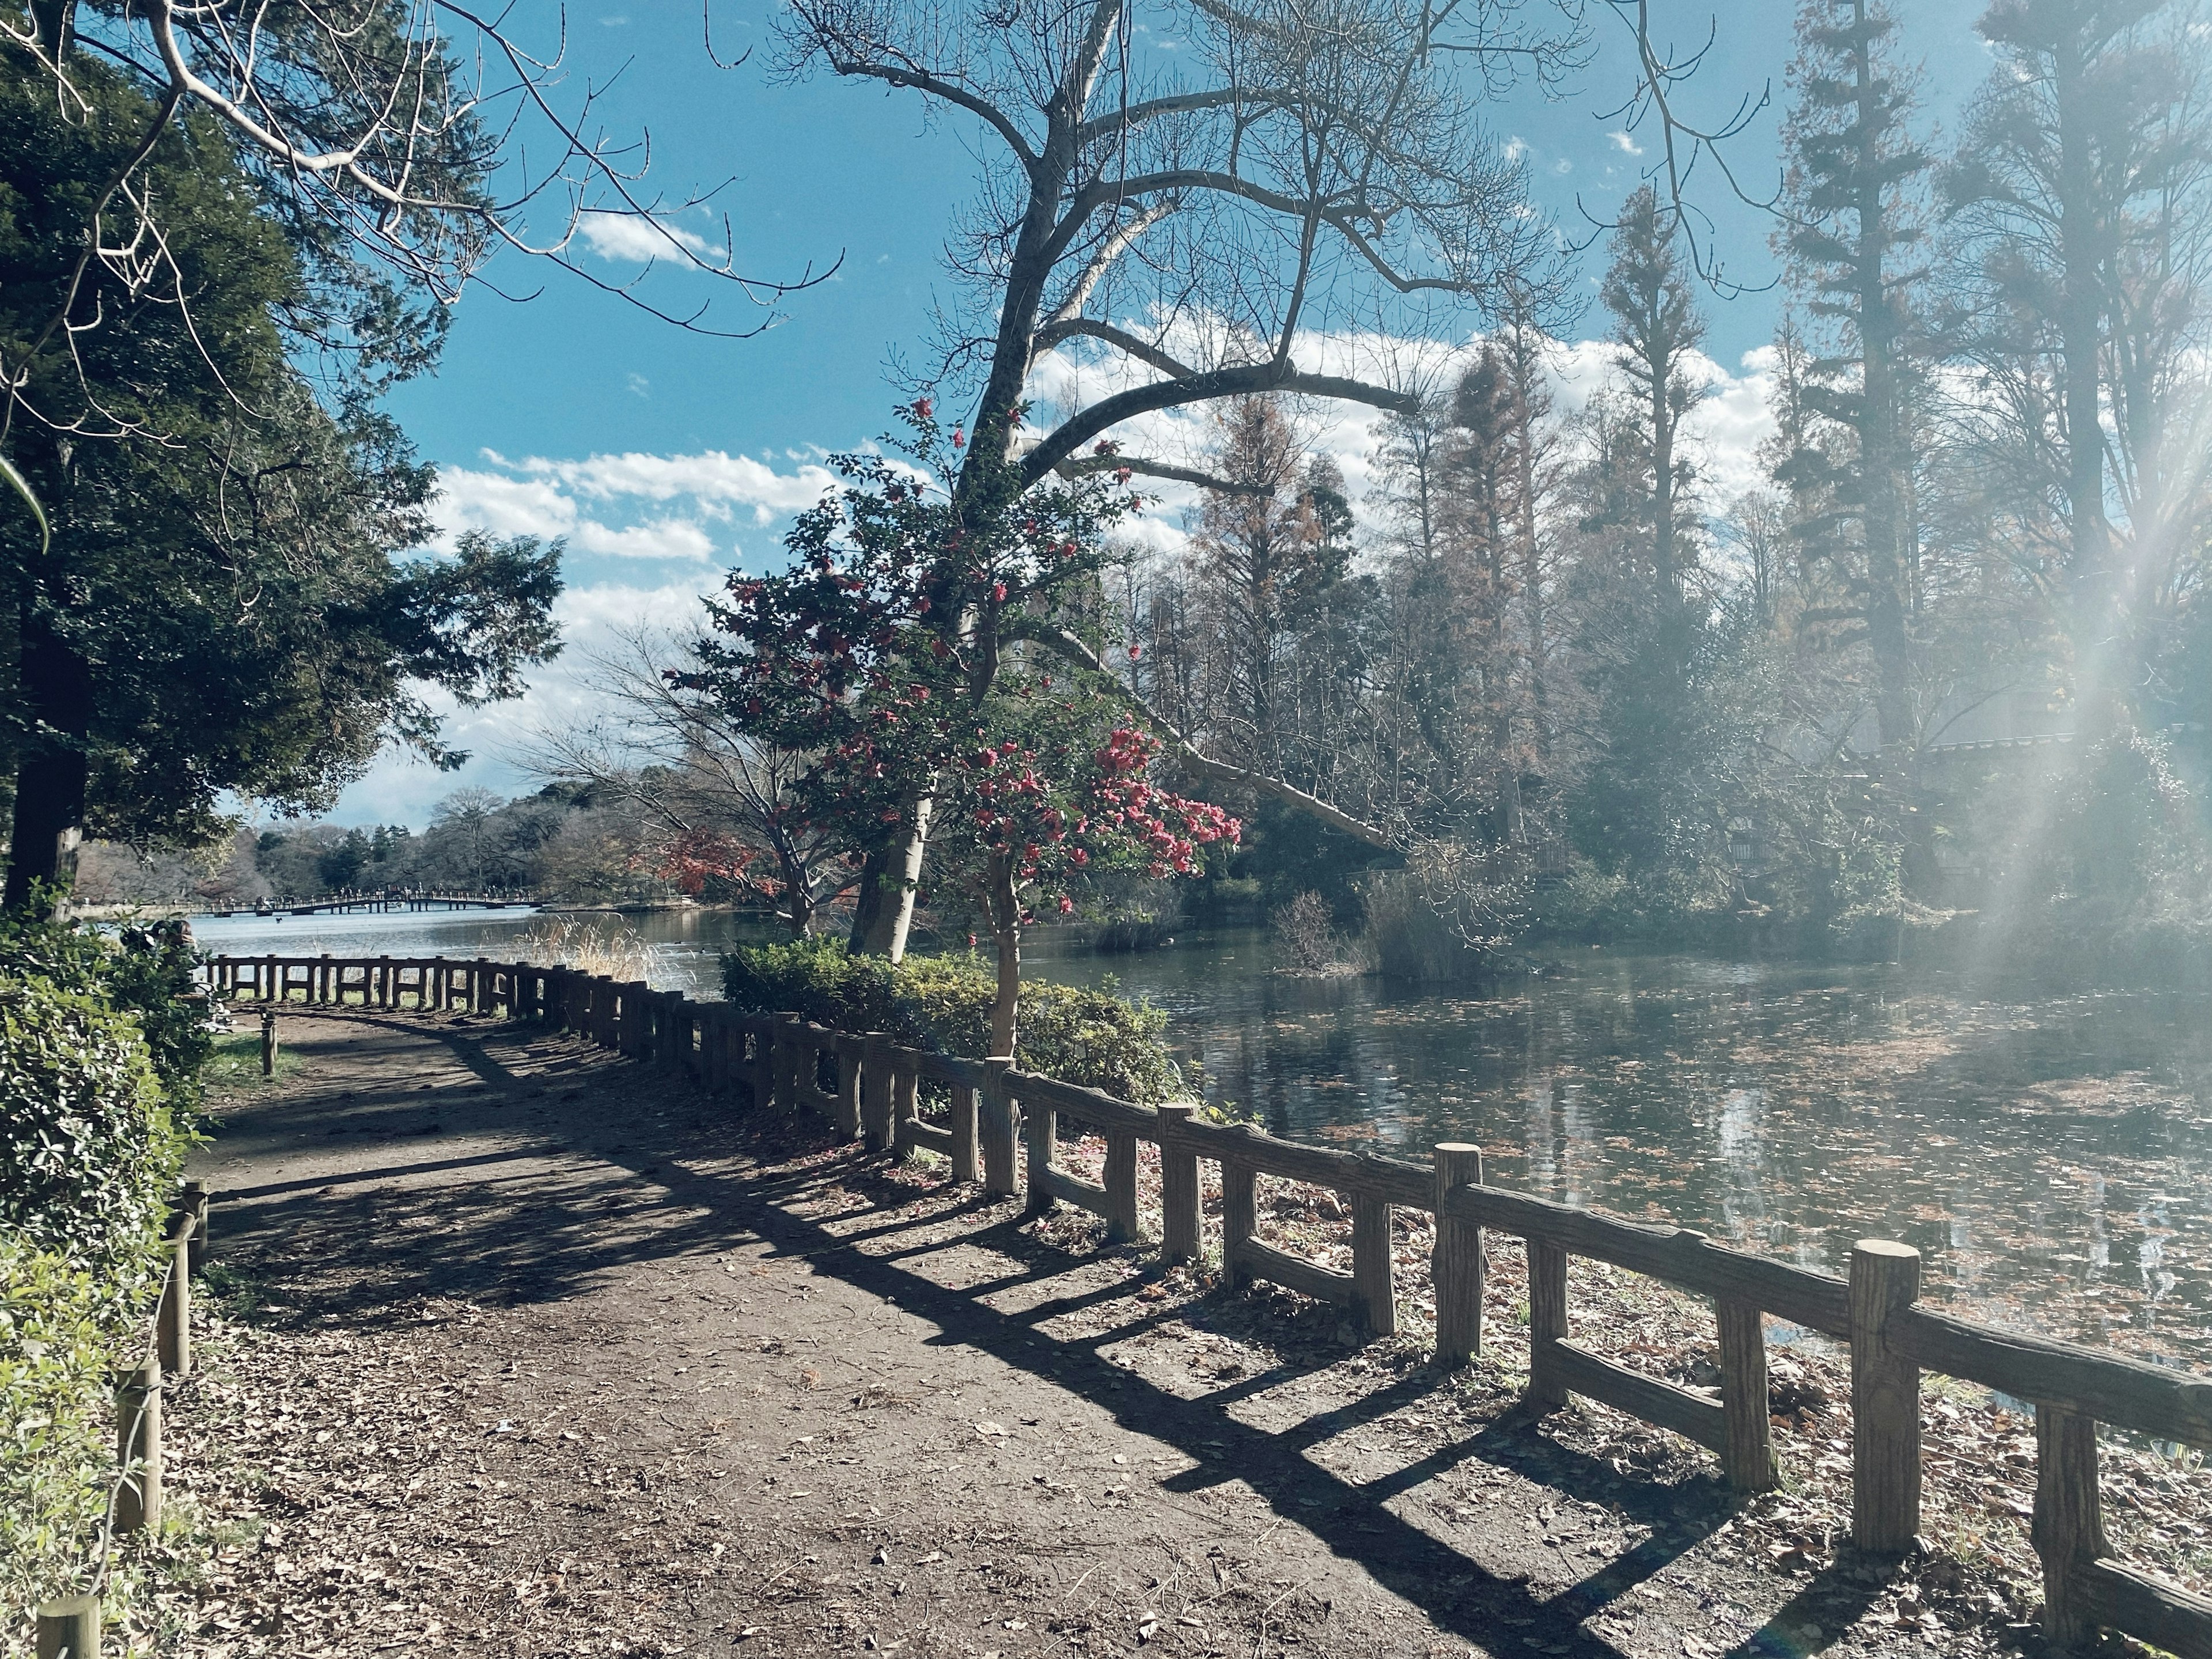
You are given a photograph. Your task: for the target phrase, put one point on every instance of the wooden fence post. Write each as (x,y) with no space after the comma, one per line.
(194,1199)
(2068,1528)
(963,1134)
(998,1131)
(269,1042)
(674,1032)
(1124,1225)
(172,1319)
(1040,1138)
(1456,1266)
(906,1096)
(847,1120)
(1885,1401)
(1179,1222)
(783,1067)
(1240,1219)
(1373,1284)
(876,1122)
(761,1078)
(385,996)
(1547,1322)
(138,1448)
(1747,1450)
(69,1629)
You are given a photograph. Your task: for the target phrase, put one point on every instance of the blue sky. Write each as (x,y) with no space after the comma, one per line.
(666,457)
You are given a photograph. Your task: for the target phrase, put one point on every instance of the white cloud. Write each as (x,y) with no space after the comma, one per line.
(661,539)
(1725,430)
(1625,143)
(631,237)
(400,789)
(505,506)
(711,477)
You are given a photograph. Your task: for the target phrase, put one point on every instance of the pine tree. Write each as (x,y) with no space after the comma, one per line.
(1853,248)
(1657,325)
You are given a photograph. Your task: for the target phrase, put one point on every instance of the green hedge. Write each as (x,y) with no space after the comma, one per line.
(1091,1037)
(99,1062)
(89,1144)
(146,974)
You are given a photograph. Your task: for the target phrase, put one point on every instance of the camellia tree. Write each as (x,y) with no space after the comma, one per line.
(1025,772)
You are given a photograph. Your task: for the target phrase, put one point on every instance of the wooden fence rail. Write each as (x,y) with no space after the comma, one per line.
(1001,1127)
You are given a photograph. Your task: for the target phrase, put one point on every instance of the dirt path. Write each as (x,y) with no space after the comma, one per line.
(551,1354)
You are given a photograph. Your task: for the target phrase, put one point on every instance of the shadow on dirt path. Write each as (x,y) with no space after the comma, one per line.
(806,1402)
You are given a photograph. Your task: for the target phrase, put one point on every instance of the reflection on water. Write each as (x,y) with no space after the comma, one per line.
(2050,1153)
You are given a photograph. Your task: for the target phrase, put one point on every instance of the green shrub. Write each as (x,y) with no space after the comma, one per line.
(63,1332)
(90,1145)
(1091,1037)
(147,974)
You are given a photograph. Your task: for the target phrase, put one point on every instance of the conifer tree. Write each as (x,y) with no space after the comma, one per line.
(1657,327)
(1853,248)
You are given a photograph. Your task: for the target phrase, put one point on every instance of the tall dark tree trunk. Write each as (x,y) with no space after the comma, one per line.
(51,774)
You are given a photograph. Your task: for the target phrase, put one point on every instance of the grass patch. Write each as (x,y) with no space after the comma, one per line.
(235,1064)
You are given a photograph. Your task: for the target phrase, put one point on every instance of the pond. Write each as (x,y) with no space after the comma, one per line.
(2050,1151)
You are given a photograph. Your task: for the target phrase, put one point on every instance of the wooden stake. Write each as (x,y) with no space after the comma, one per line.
(963,1134)
(1373,1284)
(1547,1323)
(1885,1401)
(847,1118)
(906,1098)
(1240,1219)
(269,1042)
(879,1122)
(1456,1267)
(71,1629)
(2068,1528)
(173,1320)
(1124,1225)
(1179,1209)
(138,1448)
(1041,1129)
(1749,1456)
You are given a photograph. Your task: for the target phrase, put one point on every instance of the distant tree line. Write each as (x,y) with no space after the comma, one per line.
(559,843)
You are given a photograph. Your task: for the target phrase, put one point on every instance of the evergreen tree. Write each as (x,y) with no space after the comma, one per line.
(1657,327)
(1852,244)
(219,608)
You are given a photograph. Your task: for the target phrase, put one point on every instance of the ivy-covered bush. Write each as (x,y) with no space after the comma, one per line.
(1091,1037)
(146,973)
(89,1144)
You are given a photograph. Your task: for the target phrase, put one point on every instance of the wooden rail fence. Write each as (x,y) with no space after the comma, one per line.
(1001,1127)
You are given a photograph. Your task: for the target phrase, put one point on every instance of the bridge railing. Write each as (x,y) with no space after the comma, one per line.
(1001,1127)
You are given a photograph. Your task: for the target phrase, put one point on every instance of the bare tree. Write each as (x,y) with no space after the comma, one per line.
(1193,232)
(715,795)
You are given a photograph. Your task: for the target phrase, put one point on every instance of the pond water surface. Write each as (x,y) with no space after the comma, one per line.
(2050,1151)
